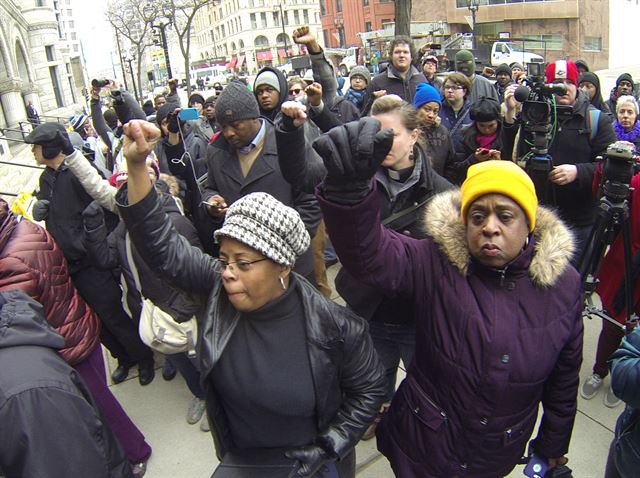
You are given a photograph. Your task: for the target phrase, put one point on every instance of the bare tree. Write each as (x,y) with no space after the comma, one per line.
(182,13)
(129,21)
(403,17)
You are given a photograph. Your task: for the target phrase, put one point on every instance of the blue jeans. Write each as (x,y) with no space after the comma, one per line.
(189,372)
(393,342)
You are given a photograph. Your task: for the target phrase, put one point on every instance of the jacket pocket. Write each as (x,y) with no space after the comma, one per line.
(423,407)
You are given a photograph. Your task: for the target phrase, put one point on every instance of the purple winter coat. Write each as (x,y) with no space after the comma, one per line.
(490,345)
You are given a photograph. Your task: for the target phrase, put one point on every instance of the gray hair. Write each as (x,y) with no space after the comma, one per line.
(626,99)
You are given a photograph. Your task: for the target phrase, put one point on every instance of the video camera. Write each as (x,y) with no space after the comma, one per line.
(536,96)
(618,167)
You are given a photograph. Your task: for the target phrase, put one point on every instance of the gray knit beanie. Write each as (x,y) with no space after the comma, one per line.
(362,71)
(265,224)
(235,103)
(267,78)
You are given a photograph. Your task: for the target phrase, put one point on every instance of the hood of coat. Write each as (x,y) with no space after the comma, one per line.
(22,322)
(169,184)
(553,248)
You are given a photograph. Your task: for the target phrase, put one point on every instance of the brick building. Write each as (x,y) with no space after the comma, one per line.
(342,20)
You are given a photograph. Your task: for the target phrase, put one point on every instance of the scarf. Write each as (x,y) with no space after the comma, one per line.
(624,135)
(485,141)
(355,96)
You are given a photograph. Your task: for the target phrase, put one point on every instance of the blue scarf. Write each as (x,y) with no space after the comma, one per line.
(355,96)
(623,135)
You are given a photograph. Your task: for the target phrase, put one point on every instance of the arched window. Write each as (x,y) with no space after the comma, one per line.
(283,38)
(261,41)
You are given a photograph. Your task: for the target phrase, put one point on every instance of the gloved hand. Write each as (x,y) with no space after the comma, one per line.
(40,210)
(352,153)
(310,460)
(93,216)
(172,124)
(62,140)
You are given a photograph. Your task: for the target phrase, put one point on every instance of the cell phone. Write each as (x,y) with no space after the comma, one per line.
(536,467)
(188,114)
(483,151)
(214,206)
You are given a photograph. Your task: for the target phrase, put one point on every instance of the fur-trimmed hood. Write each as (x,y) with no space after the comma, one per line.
(554,244)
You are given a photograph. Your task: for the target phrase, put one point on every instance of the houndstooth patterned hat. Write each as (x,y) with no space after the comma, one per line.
(265,224)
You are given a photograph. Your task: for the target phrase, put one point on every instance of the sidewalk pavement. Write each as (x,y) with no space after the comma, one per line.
(183,451)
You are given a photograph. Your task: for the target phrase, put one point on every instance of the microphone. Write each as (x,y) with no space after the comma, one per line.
(522,93)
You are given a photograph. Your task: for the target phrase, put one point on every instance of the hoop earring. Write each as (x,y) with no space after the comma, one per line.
(284,287)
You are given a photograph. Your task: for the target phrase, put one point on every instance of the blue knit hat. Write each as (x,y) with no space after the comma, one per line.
(425,93)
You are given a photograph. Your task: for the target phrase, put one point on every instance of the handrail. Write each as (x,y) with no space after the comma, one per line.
(2,193)
(22,165)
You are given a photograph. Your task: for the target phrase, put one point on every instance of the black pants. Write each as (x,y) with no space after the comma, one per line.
(118,332)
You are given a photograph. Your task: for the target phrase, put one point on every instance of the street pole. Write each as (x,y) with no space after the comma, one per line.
(284,34)
(133,80)
(473,7)
(124,74)
(165,48)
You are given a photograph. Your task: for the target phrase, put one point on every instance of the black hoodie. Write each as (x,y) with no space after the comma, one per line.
(45,402)
(284,90)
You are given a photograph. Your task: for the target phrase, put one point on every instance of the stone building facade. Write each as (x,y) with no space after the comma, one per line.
(36,61)
(249,34)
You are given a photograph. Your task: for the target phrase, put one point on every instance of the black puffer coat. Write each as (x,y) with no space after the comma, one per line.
(347,376)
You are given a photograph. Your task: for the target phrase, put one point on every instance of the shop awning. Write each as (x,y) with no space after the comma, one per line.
(240,61)
(232,63)
(281,53)
(264,55)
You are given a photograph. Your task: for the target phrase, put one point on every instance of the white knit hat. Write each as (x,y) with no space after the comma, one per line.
(267,77)
(265,224)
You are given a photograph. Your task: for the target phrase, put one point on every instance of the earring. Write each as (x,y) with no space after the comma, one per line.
(411,158)
(284,287)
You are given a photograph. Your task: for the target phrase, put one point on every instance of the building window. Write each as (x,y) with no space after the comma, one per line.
(305,14)
(41,3)
(385,20)
(365,3)
(72,24)
(254,23)
(323,8)
(55,82)
(592,44)
(276,19)
(550,42)
(367,26)
(286,18)
(263,19)
(342,38)
(50,52)
(296,17)
(338,5)
(74,36)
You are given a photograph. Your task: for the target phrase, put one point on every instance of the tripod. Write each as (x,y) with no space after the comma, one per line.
(612,216)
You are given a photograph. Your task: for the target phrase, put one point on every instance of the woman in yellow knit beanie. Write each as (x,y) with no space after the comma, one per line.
(497,308)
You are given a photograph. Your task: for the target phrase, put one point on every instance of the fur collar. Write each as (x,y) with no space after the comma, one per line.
(553,249)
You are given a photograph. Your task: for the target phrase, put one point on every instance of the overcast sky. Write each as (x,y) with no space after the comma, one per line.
(95,33)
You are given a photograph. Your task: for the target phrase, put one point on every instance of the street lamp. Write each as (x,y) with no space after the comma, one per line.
(284,33)
(150,13)
(131,56)
(473,7)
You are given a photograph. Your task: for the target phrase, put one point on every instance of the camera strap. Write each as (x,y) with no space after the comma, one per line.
(593,117)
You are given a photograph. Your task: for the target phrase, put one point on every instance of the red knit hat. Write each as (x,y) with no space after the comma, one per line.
(562,70)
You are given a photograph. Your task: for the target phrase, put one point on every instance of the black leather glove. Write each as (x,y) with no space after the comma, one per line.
(352,153)
(62,140)
(40,210)
(93,216)
(172,124)
(310,460)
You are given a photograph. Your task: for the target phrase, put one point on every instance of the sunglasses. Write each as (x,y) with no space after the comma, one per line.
(295,91)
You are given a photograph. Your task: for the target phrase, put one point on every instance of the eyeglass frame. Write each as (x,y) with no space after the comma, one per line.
(296,91)
(453,88)
(221,265)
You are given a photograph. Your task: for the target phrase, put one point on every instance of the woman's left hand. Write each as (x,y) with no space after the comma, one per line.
(310,460)
(553,462)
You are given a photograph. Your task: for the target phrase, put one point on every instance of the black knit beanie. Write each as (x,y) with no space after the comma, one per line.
(624,77)
(485,109)
(235,103)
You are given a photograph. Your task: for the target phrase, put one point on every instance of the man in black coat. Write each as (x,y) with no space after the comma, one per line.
(581,136)
(51,426)
(244,159)
(401,78)
(61,200)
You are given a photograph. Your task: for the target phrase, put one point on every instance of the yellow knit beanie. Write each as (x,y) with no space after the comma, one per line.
(500,177)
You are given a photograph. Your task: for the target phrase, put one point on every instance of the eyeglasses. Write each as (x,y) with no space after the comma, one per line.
(243,266)
(295,91)
(453,88)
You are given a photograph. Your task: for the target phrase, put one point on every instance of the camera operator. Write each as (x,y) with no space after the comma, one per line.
(572,148)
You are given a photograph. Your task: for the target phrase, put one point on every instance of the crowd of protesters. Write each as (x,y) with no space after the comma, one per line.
(458,259)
